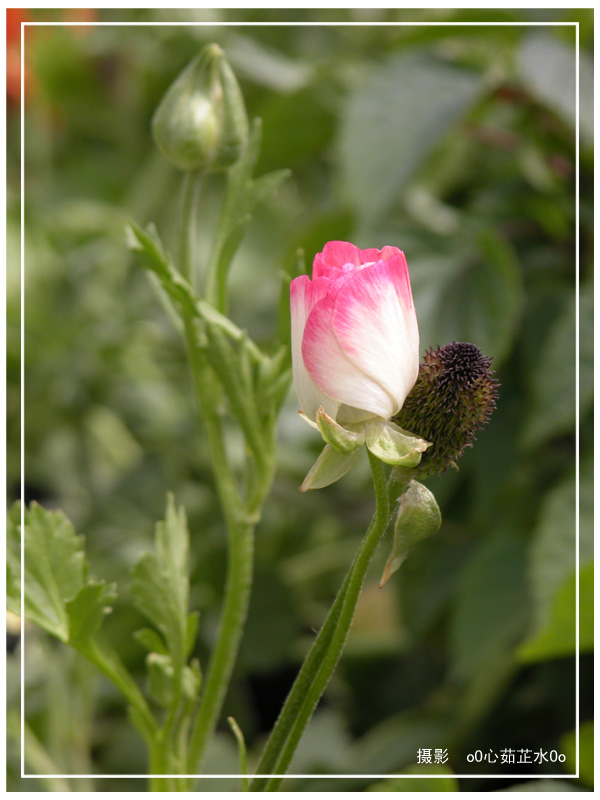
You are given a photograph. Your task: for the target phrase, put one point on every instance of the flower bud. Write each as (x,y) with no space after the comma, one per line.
(453,397)
(201,122)
(418,518)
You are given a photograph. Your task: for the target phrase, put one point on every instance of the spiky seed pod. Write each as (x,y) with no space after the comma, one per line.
(452,398)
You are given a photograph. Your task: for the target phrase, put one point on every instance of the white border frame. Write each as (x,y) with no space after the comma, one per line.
(522,777)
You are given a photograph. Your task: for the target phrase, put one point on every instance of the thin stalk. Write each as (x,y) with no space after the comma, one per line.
(240,532)
(326,651)
(240,527)
(107,660)
(188,233)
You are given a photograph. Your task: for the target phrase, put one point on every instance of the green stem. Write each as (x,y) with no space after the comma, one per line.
(189,207)
(239,523)
(326,651)
(237,595)
(102,655)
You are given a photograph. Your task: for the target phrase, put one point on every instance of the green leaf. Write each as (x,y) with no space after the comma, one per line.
(393,744)
(490,609)
(148,247)
(160,585)
(13,559)
(472,295)
(151,641)
(552,550)
(542,785)
(193,622)
(552,380)
(444,782)
(557,638)
(547,66)
(86,611)
(568,746)
(239,737)
(54,568)
(243,194)
(329,467)
(393,122)
(59,597)
(160,678)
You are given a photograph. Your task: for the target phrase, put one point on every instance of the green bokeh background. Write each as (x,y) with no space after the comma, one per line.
(456,144)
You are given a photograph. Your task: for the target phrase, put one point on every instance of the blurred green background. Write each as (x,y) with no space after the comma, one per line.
(456,144)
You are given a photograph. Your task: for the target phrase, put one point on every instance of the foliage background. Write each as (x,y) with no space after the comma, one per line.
(456,144)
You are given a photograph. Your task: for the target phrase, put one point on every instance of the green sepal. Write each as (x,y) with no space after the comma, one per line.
(393,445)
(329,467)
(418,518)
(342,439)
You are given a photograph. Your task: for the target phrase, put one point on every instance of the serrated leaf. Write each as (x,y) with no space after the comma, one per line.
(148,246)
(54,568)
(392,123)
(160,585)
(13,559)
(86,611)
(58,595)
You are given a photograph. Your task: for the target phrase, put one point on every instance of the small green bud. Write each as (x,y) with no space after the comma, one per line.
(418,518)
(453,397)
(160,678)
(201,122)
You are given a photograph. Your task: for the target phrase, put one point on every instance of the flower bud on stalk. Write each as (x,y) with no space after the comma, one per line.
(201,122)
(417,519)
(355,356)
(453,397)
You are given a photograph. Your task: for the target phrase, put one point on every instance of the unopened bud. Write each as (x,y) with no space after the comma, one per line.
(452,398)
(418,518)
(201,122)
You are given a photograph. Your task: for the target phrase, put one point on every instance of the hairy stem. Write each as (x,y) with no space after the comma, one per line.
(240,524)
(325,652)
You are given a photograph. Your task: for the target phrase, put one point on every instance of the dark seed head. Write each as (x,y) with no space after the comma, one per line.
(453,397)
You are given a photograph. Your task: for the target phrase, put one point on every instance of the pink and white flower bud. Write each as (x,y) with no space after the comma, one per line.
(355,339)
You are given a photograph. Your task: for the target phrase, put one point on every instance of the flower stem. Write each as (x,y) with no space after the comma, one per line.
(325,652)
(239,522)
(188,234)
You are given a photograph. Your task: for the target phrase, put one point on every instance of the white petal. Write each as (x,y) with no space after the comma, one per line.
(377,329)
(310,397)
